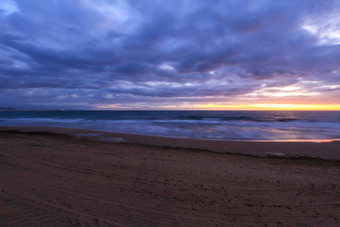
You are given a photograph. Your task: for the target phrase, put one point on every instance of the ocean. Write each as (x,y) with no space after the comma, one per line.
(221,125)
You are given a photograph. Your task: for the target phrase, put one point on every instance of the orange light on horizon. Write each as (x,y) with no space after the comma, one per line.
(260,106)
(269,106)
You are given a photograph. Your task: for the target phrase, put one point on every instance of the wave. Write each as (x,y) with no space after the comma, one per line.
(204,121)
(210,129)
(192,124)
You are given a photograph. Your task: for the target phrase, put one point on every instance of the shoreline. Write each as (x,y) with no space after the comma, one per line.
(320,149)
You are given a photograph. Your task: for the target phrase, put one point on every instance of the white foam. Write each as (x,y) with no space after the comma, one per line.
(276,154)
(87,134)
(113,139)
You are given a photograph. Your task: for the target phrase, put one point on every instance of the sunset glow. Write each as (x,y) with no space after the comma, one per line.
(170,55)
(169,112)
(295,107)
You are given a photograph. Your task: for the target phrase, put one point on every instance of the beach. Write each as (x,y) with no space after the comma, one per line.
(64,177)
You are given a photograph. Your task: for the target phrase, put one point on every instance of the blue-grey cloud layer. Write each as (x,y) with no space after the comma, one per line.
(83,54)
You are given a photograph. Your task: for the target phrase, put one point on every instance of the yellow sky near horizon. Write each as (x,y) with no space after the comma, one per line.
(262,106)
(298,96)
(269,106)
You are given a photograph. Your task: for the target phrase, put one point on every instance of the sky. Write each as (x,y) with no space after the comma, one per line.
(160,54)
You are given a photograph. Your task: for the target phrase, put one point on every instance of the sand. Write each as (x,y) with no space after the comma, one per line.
(71,178)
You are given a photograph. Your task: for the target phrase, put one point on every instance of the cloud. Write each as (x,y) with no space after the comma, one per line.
(155,52)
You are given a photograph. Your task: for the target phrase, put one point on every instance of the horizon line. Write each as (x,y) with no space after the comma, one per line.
(13,110)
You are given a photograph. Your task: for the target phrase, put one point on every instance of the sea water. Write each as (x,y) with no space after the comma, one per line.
(222,125)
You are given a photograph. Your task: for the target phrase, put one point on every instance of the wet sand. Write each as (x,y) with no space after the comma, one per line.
(79,178)
(320,149)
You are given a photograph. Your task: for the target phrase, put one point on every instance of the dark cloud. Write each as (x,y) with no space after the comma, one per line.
(83,54)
